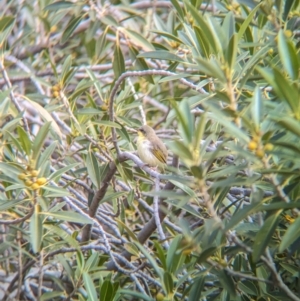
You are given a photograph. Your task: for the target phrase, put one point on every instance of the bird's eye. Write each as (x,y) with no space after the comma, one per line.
(141,130)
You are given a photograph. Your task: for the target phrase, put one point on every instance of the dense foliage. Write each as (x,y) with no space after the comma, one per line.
(82,217)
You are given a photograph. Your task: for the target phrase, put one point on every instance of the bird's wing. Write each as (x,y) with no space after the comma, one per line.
(159,154)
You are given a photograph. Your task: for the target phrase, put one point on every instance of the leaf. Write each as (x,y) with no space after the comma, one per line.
(186,120)
(71,26)
(196,288)
(90,287)
(256,108)
(36,229)
(283,88)
(69,216)
(288,55)
(228,26)
(204,25)
(242,214)
(24,140)
(136,295)
(128,230)
(58,232)
(211,67)
(178,8)
(174,256)
(227,282)
(264,235)
(93,169)
(106,291)
(56,175)
(291,235)
(6,22)
(248,287)
(108,123)
(118,61)
(7,204)
(230,53)
(47,153)
(51,191)
(168,283)
(92,262)
(59,5)
(46,116)
(139,40)
(161,55)
(39,140)
(247,21)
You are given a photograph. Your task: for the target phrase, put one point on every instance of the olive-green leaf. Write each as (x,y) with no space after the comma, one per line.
(90,286)
(288,55)
(291,234)
(264,235)
(36,229)
(70,28)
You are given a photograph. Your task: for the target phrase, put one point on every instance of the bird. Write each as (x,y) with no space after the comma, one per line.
(150,148)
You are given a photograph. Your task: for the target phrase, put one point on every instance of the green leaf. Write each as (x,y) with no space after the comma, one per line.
(229,126)
(56,175)
(174,256)
(247,21)
(59,5)
(228,25)
(39,140)
(69,216)
(242,214)
(58,232)
(6,22)
(51,191)
(256,108)
(205,26)
(36,229)
(168,283)
(196,288)
(71,26)
(46,116)
(178,8)
(24,140)
(90,287)
(248,287)
(288,55)
(50,296)
(211,67)
(7,204)
(283,88)
(230,53)
(288,123)
(118,61)
(202,41)
(107,291)
(47,153)
(227,282)
(161,55)
(139,40)
(291,234)
(92,262)
(93,169)
(167,35)
(186,120)
(136,295)
(108,123)
(160,254)
(264,235)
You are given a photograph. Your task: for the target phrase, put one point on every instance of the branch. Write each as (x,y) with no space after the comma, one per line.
(99,195)
(150,227)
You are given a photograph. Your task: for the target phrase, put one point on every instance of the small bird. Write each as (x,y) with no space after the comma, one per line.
(150,148)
